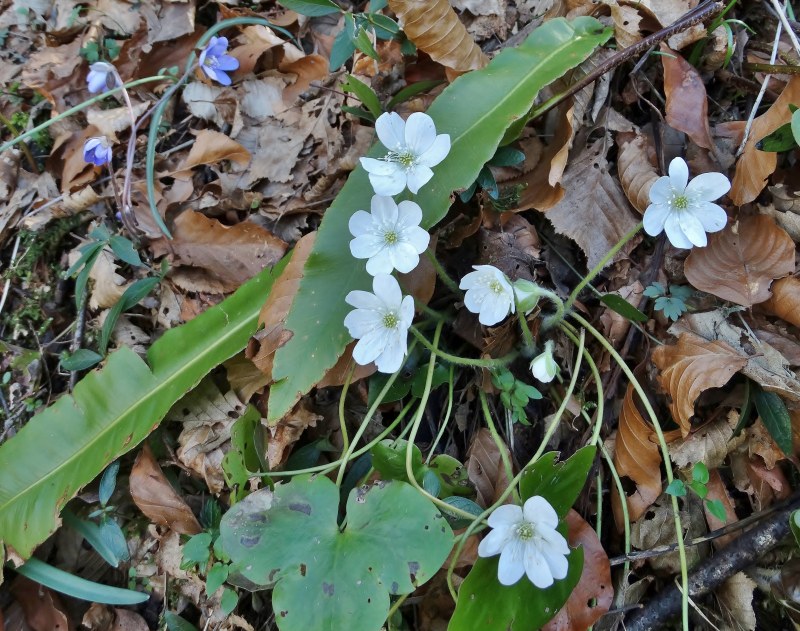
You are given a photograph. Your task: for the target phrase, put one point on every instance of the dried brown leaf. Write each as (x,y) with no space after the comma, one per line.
(735,597)
(244,377)
(740,262)
(262,347)
(785,300)
(717,491)
(230,254)
(710,444)
(687,105)
(306,69)
(287,431)
(435,29)
(43,608)
(211,147)
(766,366)
(690,367)
(626,24)
(594,212)
(636,169)
(485,468)
(754,166)
(591,598)
(636,457)
(155,497)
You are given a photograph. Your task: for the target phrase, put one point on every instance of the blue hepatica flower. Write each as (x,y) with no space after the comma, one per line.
(215,63)
(101,77)
(97,151)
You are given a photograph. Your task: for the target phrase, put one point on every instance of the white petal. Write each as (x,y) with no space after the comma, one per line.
(369,347)
(474,299)
(387,289)
(708,186)
(539,370)
(552,539)
(693,229)
(505,515)
(654,218)
(675,234)
(380,263)
(409,214)
(512,563)
(678,174)
(406,312)
(661,190)
(360,223)
(384,210)
(536,568)
(360,323)
(492,311)
(420,133)
(438,151)
(713,217)
(418,238)
(391,359)
(363,300)
(390,184)
(378,167)
(366,246)
(470,280)
(404,257)
(538,510)
(390,128)
(494,542)
(557,564)
(418,176)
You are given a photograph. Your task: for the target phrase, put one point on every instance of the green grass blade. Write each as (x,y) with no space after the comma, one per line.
(78,587)
(110,412)
(475,110)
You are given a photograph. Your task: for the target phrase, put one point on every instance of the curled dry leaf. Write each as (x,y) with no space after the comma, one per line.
(710,444)
(230,255)
(485,468)
(287,431)
(635,457)
(687,105)
(211,147)
(735,598)
(785,300)
(754,166)
(741,261)
(155,497)
(42,608)
(690,367)
(717,491)
(636,169)
(435,29)
(592,596)
(262,347)
(594,211)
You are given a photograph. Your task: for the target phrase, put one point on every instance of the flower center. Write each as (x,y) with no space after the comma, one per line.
(390,320)
(211,61)
(496,286)
(390,237)
(681,202)
(403,157)
(525,530)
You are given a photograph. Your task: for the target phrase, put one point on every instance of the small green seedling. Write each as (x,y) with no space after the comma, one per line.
(698,484)
(514,394)
(671,303)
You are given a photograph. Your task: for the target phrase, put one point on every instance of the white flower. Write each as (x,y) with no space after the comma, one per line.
(684,208)
(380,323)
(413,148)
(544,367)
(390,237)
(528,543)
(489,294)
(102,76)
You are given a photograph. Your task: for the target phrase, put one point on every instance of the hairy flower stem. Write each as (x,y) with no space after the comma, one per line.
(464,361)
(442,273)
(597,269)
(664,455)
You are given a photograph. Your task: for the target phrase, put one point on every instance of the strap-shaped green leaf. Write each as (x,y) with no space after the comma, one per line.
(110,412)
(475,110)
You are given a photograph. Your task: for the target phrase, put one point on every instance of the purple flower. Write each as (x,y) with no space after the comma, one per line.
(215,63)
(97,151)
(102,76)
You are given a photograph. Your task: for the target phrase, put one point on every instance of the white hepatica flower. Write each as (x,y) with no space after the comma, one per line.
(413,148)
(380,323)
(528,543)
(684,208)
(544,367)
(489,294)
(389,237)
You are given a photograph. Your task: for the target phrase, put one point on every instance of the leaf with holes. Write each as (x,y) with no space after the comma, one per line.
(327,578)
